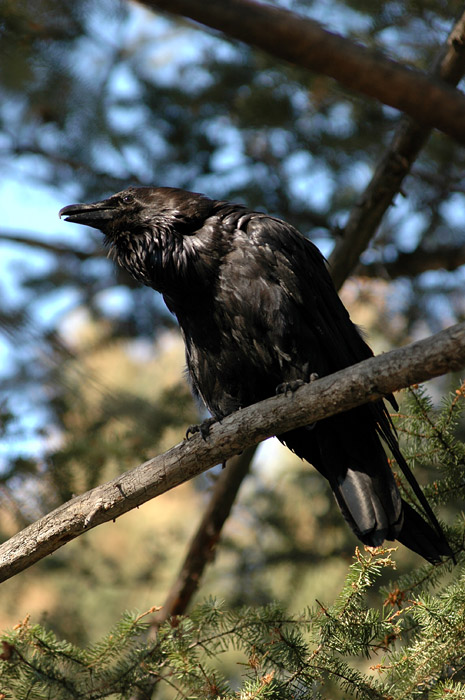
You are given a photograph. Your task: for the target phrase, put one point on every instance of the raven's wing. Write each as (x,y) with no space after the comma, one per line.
(311,331)
(275,282)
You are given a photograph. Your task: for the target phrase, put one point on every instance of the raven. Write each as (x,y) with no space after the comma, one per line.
(258,310)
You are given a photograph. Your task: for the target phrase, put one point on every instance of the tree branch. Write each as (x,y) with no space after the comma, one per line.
(412,264)
(358,384)
(304,42)
(202,546)
(386,181)
(26,239)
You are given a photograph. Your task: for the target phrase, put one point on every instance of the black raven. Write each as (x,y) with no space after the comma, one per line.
(258,310)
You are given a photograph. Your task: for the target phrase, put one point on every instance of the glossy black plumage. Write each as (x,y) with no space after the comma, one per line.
(257,308)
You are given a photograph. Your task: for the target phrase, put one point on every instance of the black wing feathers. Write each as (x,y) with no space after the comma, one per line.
(346,449)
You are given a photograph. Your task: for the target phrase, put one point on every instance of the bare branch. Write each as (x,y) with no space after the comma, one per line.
(408,140)
(412,264)
(202,547)
(26,239)
(365,381)
(304,42)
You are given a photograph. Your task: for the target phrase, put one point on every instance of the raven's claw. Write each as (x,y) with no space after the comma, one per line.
(203,428)
(292,386)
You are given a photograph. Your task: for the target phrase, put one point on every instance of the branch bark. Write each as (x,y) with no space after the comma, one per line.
(390,172)
(360,383)
(304,42)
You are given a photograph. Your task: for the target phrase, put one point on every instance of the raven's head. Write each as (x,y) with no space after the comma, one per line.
(138,206)
(146,229)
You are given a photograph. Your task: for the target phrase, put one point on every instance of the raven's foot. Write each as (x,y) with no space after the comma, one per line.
(292,386)
(295,384)
(203,428)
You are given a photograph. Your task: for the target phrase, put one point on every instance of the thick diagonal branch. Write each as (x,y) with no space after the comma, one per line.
(390,172)
(363,382)
(304,42)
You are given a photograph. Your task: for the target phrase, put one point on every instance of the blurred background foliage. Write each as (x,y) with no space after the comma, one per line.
(99,95)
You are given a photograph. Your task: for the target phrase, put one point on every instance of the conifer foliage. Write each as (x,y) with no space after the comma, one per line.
(391,642)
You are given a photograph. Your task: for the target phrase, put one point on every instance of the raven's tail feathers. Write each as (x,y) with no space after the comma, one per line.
(372,507)
(350,455)
(420,537)
(412,520)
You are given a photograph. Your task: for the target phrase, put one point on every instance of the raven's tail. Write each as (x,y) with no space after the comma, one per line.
(422,538)
(346,449)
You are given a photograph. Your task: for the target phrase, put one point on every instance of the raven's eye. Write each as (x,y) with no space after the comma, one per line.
(128,198)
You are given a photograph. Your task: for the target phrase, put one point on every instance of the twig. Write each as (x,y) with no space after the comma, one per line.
(358,384)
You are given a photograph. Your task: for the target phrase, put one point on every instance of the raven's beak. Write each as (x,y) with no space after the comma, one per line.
(96,214)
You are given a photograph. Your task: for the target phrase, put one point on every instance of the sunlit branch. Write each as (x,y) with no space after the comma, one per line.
(304,42)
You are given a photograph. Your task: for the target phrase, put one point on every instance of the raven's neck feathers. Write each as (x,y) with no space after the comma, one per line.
(177,251)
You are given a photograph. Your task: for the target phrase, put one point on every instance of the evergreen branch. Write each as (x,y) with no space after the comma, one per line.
(362,574)
(459,395)
(440,436)
(304,42)
(436,432)
(366,381)
(434,439)
(354,679)
(289,653)
(386,181)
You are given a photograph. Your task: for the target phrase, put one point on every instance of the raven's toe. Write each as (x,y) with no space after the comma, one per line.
(203,428)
